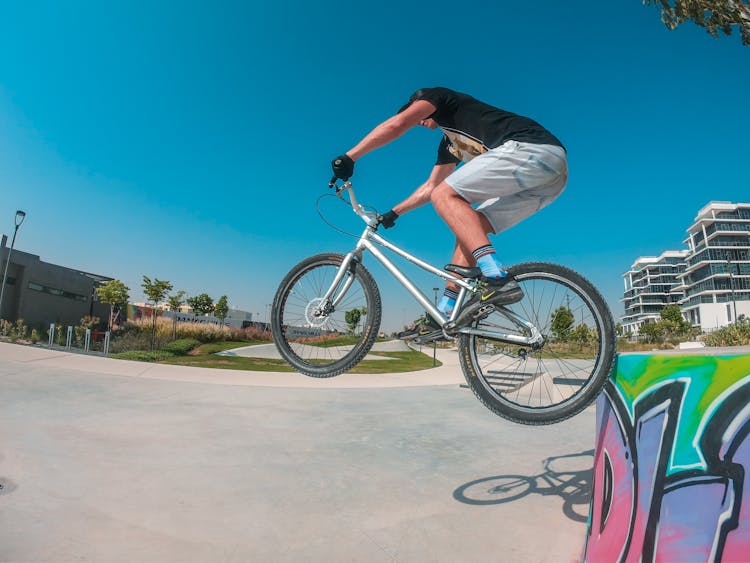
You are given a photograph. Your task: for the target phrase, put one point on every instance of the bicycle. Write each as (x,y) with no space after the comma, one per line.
(526,362)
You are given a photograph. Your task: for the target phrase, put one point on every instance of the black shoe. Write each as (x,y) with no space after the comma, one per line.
(497,291)
(500,291)
(424,330)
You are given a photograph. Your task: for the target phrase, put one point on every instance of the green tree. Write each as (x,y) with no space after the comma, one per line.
(562,322)
(653,332)
(352,319)
(712,15)
(176,301)
(581,335)
(202,304)
(155,291)
(673,324)
(115,294)
(671,313)
(221,309)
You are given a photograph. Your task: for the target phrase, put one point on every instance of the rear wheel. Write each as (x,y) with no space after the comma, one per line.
(324,338)
(562,375)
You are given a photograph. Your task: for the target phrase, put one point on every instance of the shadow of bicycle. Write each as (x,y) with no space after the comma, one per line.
(567,476)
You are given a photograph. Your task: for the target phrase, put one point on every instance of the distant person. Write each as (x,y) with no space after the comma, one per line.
(512,168)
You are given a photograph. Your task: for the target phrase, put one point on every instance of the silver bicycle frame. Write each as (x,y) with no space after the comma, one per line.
(365,243)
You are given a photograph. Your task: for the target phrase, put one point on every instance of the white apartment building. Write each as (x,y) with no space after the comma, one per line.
(651,284)
(716,280)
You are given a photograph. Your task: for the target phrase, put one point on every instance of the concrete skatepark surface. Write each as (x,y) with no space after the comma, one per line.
(111,460)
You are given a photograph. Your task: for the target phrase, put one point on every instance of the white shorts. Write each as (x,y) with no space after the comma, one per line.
(512,182)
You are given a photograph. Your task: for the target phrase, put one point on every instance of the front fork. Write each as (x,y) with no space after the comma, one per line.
(328,302)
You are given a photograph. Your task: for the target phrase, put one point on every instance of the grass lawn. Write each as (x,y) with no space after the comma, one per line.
(213,347)
(205,356)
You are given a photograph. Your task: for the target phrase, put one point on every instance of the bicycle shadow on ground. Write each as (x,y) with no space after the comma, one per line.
(567,476)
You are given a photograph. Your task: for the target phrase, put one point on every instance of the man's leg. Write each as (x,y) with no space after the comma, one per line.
(463,253)
(471,229)
(469,226)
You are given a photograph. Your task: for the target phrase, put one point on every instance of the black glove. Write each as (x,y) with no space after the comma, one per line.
(343,167)
(389,219)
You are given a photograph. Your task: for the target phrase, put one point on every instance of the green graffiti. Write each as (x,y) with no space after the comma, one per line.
(708,378)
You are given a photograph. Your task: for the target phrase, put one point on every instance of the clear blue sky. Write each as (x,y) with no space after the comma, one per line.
(189,141)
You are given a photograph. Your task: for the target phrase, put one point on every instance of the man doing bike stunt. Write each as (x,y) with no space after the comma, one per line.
(512,167)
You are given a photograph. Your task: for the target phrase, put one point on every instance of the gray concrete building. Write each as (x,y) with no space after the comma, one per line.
(41,293)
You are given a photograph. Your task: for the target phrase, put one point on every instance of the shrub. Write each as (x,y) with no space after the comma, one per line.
(15,331)
(181,347)
(136,335)
(202,332)
(34,336)
(130,340)
(251,333)
(737,334)
(61,334)
(144,355)
(21,330)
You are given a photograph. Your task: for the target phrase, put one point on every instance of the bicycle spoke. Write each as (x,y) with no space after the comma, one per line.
(549,374)
(316,337)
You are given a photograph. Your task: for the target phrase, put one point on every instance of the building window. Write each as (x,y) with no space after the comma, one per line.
(55,291)
(729,314)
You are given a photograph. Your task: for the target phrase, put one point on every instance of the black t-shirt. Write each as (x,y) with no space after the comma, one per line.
(472,127)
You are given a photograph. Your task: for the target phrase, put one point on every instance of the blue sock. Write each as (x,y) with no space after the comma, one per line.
(487,261)
(447,301)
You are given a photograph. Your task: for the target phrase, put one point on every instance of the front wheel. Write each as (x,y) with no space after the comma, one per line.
(319,336)
(558,377)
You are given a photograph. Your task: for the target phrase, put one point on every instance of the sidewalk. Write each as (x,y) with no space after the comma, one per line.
(447,374)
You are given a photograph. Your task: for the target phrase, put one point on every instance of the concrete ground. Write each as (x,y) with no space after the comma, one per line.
(110,460)
(270,351)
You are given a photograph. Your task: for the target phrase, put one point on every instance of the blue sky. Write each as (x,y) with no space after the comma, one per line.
(190,141)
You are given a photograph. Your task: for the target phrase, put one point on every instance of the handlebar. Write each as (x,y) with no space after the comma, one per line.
(371,218)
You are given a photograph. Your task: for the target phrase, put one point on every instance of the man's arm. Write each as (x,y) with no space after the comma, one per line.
(392,128)
(422,194)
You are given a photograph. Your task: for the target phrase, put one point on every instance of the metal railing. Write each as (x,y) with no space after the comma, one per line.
(88,345)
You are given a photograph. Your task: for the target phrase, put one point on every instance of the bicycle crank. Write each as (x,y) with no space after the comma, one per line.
(467,318)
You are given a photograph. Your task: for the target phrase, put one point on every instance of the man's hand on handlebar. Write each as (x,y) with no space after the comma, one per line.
(343,167)
(389,219)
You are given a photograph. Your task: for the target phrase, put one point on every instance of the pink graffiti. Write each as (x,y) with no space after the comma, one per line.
(638,512)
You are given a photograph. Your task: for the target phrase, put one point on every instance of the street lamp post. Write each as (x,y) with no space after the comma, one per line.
(731,286)
(434,342)
(20,217)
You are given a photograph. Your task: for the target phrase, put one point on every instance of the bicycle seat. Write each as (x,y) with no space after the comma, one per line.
(463,271)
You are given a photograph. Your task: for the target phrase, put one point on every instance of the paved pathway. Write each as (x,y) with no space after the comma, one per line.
(270,351)
(110,460)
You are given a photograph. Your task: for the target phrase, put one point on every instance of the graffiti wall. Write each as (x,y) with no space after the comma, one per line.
(672,461)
